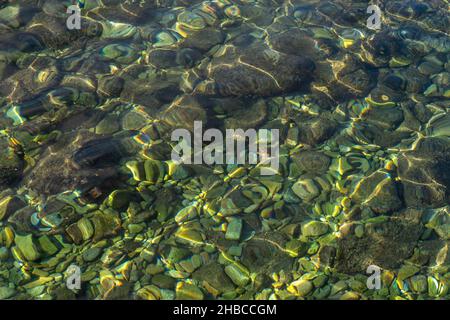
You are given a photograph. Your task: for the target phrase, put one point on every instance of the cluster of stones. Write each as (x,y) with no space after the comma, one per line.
(86,177)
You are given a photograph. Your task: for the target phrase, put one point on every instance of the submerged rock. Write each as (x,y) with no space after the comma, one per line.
(263,254)
(385,244)
(424,173)
(311,161)
(379,192)
(75,162)
(6,292)
(255,69)
(314,228)
(27,247)
(183,112)
(10,205)
(306,189)
(11,163)
(204,40)
(86,176)
(343,78)
(315,130)
(214,274)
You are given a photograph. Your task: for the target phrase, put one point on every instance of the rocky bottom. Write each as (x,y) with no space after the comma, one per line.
(88,187)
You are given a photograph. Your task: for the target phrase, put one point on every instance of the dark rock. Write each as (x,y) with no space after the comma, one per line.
(215,276)
(204,40)
(6,67)
(53,32)
(9,205)
(340,13)
(119,292)
(163,281)
(25,85)
(73,163)
(188,57)
(386,117)
(379,48)
(385,244)
(416,82)
(143,85)
(11,163)
(315,130)
(342,80)
(379,192)
(378,134)
(162,58)
(327,255)
(110,86)
(294,42)
(183,112)
(394,82)
(435,252)
(262,254)
(20,41)
(260,15)
(311,161)
(256,69)
(246,118)
(424,173)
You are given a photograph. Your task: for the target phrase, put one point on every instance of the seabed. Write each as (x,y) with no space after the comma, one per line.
(92,205)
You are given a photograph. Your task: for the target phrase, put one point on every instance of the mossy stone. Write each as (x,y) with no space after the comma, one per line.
(407,271)
(237,275)
(91,254)
(118,199)
(6,292)
(153,269)
(28,247)
(419,283)
(314,228)
(133,121)
(163,281)
(187,291)
(107,125)
(234,229)
(47,245)
(301,287)
(213,273)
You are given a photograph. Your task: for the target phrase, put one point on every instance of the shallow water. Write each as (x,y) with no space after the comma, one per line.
(355,207)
